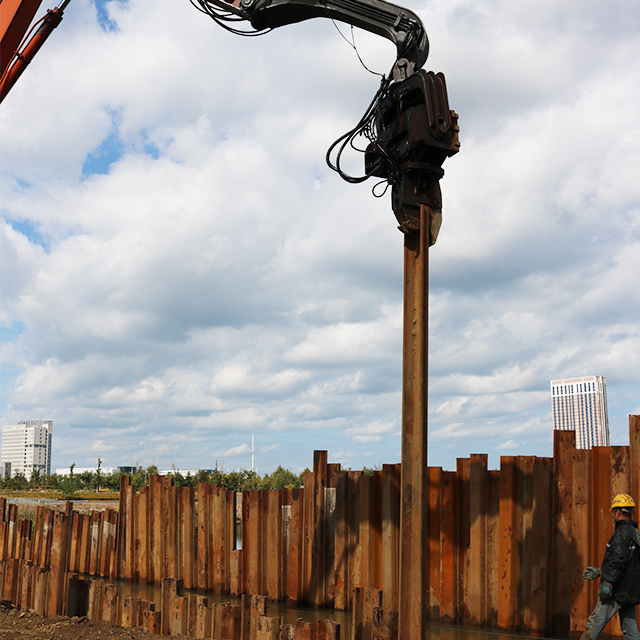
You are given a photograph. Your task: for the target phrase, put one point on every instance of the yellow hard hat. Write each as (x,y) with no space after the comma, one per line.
(622,501)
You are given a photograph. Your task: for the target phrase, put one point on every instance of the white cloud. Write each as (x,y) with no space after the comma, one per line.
(236,451)
(509,444)
(271,447)
(371,432)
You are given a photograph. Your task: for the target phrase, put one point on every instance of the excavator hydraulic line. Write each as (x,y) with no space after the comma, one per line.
(400,25)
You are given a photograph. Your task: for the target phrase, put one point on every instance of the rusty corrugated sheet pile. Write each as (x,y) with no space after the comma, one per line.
(505,548)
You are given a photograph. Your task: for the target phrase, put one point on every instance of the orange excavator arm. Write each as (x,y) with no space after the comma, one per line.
(17,47)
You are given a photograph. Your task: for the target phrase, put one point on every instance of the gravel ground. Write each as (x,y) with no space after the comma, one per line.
(27,625)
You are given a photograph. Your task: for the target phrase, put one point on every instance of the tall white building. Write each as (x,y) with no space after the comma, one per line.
(27,446)
(580,405)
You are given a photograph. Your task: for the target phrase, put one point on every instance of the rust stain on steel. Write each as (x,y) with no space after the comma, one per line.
(508,542)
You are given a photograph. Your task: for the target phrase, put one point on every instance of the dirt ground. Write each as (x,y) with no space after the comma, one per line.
(27,625)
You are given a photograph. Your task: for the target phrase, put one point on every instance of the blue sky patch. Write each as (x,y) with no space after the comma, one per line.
(103,16)
(151,150)
(10,333)
(31,231)
(111,149)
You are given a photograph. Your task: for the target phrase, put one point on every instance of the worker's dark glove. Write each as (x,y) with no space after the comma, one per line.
(591,573)
(605,591)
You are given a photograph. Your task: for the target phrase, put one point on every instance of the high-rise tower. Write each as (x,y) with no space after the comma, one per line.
(580,405)
(27,446)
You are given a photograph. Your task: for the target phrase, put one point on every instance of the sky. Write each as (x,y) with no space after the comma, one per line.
(181,270)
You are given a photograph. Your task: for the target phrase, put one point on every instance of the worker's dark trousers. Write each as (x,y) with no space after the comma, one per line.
(604,611)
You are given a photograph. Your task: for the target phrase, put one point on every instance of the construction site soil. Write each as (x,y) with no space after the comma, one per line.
(28,625)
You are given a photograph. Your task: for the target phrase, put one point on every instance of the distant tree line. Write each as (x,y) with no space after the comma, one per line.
(243,480)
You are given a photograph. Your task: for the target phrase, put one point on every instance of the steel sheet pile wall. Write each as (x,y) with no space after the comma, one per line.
(157,533)
(195,616)
(37,559)
(505,548)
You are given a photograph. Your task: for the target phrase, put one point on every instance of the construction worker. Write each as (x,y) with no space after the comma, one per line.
(619,576)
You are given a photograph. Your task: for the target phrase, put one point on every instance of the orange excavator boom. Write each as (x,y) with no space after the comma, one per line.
(17,49)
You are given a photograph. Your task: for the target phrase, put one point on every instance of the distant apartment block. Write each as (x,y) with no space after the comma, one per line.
(183,472)
(580,405)
(105,471)
(5,469)
(27,447)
